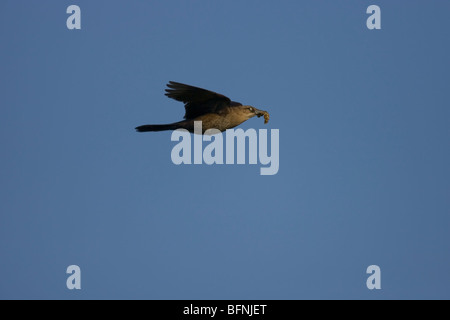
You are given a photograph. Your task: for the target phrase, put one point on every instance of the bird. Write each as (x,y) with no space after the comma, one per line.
(214,110)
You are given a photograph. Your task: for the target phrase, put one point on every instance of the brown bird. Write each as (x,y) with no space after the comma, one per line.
(214,110)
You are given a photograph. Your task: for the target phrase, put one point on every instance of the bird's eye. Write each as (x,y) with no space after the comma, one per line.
(251,109)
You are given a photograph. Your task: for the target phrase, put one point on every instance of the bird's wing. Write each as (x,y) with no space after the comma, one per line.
(197,101)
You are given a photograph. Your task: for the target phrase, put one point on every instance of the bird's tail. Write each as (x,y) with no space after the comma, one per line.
(158,127)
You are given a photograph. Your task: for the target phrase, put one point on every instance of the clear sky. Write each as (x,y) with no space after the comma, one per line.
(364,177)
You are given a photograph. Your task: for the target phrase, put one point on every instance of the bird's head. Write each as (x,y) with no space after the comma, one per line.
(250,112)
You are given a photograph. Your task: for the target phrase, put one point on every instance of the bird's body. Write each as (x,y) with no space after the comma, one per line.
(214,110)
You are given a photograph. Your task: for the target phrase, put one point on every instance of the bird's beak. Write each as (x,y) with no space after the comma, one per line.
(260,113)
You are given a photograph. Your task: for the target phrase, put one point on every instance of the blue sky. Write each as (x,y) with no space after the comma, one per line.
(364,173)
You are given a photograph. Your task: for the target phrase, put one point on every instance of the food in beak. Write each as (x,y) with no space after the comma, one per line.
(265,114)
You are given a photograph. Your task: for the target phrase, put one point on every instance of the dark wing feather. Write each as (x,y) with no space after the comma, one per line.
(197,101)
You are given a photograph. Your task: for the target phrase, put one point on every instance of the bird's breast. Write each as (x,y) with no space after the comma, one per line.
(220,122)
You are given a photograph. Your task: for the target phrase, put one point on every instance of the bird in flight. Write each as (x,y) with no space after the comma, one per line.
(214,110)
